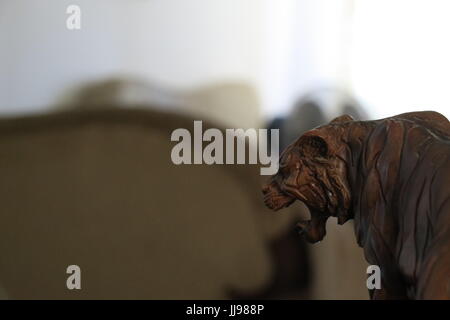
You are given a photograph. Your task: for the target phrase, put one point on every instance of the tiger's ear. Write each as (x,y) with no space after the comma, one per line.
(341,119)
(313,146)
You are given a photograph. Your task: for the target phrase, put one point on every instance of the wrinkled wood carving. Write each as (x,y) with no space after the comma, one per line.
(392,176)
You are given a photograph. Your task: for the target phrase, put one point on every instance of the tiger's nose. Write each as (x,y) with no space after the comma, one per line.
(266,188)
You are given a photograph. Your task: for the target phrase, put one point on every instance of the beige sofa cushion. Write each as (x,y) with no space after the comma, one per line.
(98,189)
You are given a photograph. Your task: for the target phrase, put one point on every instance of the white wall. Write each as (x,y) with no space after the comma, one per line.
(305,48)
(401,55)
(283,48)
(177,43)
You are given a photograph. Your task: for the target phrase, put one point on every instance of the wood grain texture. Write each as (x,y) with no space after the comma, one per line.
(392,176)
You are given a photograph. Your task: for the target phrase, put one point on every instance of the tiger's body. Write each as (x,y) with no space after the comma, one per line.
(392,176)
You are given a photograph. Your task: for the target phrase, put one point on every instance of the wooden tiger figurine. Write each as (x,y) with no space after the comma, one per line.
(392,176)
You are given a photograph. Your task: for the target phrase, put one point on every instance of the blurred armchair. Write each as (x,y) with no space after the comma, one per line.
(98,189)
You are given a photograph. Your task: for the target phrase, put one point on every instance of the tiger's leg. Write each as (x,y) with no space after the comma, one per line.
(433,281)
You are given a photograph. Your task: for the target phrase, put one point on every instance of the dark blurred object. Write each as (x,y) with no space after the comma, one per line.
(314,109)
(305,114)
(291,278)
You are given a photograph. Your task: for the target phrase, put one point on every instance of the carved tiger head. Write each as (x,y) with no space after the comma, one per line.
(313,170)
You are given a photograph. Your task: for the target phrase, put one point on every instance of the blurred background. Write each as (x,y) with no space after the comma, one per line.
(86,110)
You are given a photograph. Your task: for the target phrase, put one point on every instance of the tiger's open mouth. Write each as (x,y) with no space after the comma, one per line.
(313,230)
